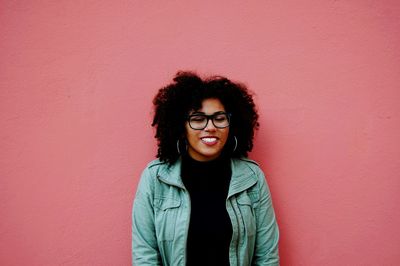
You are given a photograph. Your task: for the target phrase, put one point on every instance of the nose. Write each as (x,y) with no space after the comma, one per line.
(210,126)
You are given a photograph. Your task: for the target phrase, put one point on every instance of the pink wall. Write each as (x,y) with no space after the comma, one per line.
(76,83)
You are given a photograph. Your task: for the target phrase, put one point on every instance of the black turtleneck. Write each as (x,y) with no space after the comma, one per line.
(210,229)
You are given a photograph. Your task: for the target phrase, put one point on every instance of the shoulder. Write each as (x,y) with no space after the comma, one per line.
(157,168)
(152,169)
(247,164)
(246,160)
(250,167)
(156,163)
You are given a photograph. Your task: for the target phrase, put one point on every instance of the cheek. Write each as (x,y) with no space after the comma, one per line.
(190,134)
(187,131)
(225,135)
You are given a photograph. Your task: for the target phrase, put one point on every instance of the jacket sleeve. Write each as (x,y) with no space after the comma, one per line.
(267,237)
(144,243)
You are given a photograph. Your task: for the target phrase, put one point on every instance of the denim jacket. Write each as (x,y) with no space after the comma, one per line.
(161,213)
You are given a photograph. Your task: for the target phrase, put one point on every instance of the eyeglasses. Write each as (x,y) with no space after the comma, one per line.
(200,121)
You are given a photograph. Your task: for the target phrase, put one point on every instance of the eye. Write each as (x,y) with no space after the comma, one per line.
(221,117)
(197,118)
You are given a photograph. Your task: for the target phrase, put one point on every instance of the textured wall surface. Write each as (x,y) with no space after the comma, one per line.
(76,83)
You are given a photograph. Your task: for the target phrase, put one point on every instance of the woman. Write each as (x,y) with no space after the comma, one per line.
(202,202)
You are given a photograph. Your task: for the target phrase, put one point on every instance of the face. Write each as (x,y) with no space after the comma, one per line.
(207,144)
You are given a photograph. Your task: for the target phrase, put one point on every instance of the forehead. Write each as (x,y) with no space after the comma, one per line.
(211,105)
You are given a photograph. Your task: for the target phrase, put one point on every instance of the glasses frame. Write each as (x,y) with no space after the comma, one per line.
(210,117)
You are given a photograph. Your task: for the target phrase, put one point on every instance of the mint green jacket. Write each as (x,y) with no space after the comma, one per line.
(161,213)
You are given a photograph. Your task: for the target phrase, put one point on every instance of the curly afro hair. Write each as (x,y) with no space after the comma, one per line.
(186,93)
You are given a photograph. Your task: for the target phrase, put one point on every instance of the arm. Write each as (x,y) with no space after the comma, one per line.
(267,238)
(144,242)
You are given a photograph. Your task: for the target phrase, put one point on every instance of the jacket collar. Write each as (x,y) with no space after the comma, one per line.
(243,176)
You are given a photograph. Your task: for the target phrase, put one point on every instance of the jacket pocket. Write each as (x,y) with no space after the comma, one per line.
(245,204)
(166,213)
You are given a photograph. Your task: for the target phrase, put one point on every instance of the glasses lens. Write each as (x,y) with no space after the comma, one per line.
(221,120)
(198,121)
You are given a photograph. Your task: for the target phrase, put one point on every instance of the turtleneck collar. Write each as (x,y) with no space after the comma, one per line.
(195,164)
(213,174)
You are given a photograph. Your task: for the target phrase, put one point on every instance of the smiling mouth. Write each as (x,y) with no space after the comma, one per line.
(209,140)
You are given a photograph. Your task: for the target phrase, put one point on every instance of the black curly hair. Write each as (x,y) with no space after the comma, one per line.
(186,93)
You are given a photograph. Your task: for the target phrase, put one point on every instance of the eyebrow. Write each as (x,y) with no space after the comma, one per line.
(202,113)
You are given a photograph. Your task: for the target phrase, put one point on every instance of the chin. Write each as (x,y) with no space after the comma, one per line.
(211,155)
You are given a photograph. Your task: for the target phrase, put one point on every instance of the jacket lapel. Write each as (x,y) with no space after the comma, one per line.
(243,177)
(171,174)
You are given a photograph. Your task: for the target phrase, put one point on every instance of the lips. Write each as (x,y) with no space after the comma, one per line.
(209,140)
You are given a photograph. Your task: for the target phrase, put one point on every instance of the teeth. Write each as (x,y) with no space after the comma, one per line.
(209,139)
